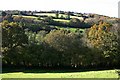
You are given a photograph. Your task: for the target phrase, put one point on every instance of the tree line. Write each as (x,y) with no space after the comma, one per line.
(98,47)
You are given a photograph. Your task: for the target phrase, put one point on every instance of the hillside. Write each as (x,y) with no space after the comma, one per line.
(59,39)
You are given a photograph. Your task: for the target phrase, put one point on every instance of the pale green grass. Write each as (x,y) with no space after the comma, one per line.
(62,20)
(74,29)
(47,14)
(30,17)
(71,29)
(27,16)
(51,14)
(89,74)
(76,17)
(64,15)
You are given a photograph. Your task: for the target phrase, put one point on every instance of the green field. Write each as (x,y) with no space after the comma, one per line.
(39,74)
(48,14)
(53,14)
(26,16)
(71,29)
(62,20)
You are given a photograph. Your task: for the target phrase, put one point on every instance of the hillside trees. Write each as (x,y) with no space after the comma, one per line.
(118,34)
(4,14)
(68,16)
(57,15)
(75,22)
(69,44)
(101,38)
(13,40)
(24,44)
(48,19)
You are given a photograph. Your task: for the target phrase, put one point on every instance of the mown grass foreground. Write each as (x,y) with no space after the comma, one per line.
(87,74)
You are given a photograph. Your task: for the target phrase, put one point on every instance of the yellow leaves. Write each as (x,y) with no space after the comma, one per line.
(4,23)
(94,26)
(13,24)
(104,26)
(98,33)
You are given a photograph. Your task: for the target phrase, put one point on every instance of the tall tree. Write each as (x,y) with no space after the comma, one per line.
(13,39)
(100,37)
(69,44)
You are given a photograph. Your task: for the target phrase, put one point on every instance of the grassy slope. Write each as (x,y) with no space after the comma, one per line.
(62,20)
(53,14)
(28,16)
(48,14)
(71,29)
(89,74)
